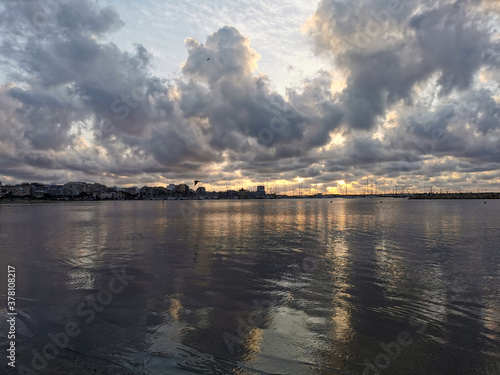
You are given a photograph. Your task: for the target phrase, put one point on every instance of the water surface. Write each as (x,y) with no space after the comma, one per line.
(257,287)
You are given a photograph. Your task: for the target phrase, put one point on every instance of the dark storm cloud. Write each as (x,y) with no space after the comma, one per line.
(46,118)
(388,47)
(236,102)
(453,42)
(389,51)
(372,156)
(455,130)
(467,128)
(68,76)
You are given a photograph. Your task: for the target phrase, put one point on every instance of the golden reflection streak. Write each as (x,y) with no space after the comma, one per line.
(80,248)
(338,253)
(175,308)
(492,321)
(252,343)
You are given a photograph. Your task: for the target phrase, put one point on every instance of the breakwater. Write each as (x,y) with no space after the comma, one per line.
(456,196)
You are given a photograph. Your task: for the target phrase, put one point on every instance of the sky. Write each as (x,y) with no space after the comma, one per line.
(332,95)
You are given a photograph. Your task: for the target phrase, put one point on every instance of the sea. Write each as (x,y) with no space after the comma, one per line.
(289,286)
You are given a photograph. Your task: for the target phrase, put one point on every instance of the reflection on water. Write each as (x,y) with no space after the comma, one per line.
(244,287)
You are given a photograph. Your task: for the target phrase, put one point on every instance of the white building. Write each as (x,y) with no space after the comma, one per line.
(76,188)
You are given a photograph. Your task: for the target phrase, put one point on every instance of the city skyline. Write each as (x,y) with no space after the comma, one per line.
(369,189)
(329,95)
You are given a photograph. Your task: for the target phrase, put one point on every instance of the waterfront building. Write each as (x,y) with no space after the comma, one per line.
(97,188)
(38,190)
(75,188)
(201,191)
(55,190)
(132,190)
(19,190)
(183,188)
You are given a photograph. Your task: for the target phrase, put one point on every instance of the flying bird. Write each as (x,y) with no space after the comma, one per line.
(196,181)
(208,59)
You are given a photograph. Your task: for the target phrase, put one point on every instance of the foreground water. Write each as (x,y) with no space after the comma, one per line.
(254,287)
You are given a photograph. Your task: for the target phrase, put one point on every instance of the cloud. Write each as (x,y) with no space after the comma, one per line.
(224,89)
(387,48)
(411,92)
(229,52)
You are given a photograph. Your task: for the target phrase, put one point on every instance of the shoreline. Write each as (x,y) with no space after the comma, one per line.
(426,196)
